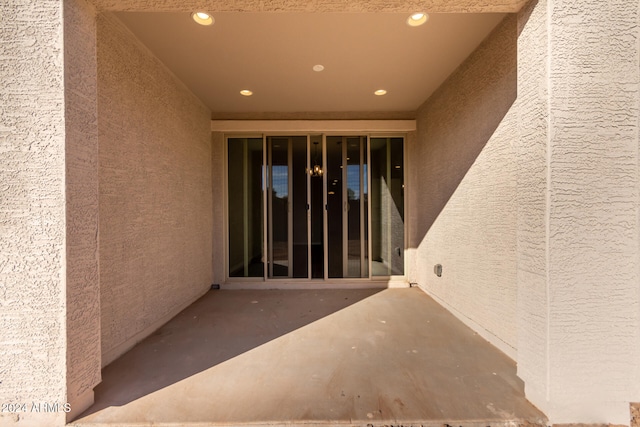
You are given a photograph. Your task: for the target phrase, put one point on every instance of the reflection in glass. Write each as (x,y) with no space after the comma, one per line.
(362,222)
(335,207)
(387,206)
(278,205)
(287,207)
(300,251)
(245,207)
(317,210)
(347,206)
(356,208)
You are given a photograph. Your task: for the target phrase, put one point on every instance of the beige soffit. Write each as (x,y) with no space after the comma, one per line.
(273,55)
(405,6)
(319,126)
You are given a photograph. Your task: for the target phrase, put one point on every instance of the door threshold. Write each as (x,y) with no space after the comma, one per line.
(317,284)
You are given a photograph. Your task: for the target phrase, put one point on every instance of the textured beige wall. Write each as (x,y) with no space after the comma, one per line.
(593,209)
(585,277)
(531,148)
(81,128)
(155,191)
(32,209)
(463,184)
(538,231)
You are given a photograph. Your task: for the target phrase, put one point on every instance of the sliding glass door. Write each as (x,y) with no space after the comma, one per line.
(315,207)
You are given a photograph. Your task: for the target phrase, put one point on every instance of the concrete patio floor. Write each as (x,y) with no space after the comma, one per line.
(314,358)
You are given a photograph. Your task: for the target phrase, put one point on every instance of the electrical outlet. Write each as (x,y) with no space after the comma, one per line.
(437,269)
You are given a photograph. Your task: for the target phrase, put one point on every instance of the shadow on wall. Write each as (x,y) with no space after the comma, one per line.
(203,336)
(457,121)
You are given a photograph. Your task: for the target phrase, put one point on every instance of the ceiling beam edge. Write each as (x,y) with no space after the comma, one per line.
(307,126)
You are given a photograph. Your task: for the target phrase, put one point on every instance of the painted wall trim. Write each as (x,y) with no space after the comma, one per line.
(313,125)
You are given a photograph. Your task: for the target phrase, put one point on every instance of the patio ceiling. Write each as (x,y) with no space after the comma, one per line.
(273,55)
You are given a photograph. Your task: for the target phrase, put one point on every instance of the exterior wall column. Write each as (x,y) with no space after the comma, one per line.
(578,233)
(32,210)
(49,344)
(82,250)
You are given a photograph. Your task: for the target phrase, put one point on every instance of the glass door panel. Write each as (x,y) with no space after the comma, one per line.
(335,207)
(287,203)
(357,262)
(245,207)
(300,203)
(278,222)
(316,201)
(387,206)
(347,207)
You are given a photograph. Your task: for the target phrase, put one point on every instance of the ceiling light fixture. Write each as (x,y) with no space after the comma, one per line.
(246,92)
(417,19)
(380,92)
(202,18)
(316,170)
(318,68)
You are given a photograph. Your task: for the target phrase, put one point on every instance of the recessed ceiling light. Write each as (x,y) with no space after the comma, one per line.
(318,68)
(380,92)
(202,18)
(417,19)
(246,92)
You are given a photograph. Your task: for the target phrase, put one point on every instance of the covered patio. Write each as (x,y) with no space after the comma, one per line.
(312,357)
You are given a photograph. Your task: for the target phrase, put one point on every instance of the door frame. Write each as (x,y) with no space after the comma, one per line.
(283,128)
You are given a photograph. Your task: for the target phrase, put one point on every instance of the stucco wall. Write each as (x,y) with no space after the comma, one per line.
(155,191)
(32,209)
(594,201)
(531,149)
(81,128)
(537,229)
(592,210)
(463,180)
